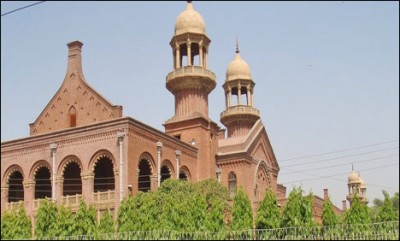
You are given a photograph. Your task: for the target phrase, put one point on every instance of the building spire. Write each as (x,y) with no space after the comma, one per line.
(237,45)
(352,167)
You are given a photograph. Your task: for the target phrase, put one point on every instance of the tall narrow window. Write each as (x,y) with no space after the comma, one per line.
(232,183)
(72,116)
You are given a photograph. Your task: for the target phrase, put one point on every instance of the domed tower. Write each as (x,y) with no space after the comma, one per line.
(191,82)
(240,114)
(356,186)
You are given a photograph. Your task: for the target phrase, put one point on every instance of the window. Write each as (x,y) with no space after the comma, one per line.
(232,184)
(72,117)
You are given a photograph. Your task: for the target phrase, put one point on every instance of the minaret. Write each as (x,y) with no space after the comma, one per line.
(240,114)
(356,186)
(191,82)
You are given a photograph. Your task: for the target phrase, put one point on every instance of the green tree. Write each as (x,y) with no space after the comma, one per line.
(106,225)
(386,212)
(329,218)
(291,216)
(378,204)
(16,224)
(268,214)
(65,223)
(46,220)
(218,207)
(242,214)
(84,221)
(6,225)
(356,219)
(298,215)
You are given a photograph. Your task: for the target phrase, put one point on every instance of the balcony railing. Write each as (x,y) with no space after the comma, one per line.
(240,109)
(191,70)
(36,203)
(72,200)
(101,197)
(13,205)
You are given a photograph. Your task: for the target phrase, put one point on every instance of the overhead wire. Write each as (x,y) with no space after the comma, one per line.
(18,9)
(337,151)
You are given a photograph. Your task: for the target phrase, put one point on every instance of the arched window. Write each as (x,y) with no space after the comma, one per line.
(165,173)
(42,183)
(72,184)
(232,184)
(16,188)
(184,173)
(72,116)
(104,175)
(144,183)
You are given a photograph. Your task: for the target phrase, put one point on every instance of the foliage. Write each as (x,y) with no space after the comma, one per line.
(298,210)
(357,214)
(329,218)
(106,224)
(16,224)
(386,212)
(84,220)
(65,223)
(216,197)
(46,220)
(177,205)
(242,214)
(268,214)
(378,204)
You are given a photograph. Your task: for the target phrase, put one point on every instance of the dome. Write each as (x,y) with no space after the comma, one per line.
(362,186)
(190,21)
(353,178)
(238,69)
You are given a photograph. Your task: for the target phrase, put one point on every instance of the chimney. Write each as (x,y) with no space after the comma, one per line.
(326,197)
(74,58)
(344,205)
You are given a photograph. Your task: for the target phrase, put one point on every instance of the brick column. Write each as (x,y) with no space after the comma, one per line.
(87,186)
(4,197)
(153,182)
(59,189)
(29,194)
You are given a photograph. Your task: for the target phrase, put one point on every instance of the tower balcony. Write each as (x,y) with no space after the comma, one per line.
(191,77)
(248,112)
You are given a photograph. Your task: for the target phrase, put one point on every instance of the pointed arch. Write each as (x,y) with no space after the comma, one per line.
(9,171)
(72,116)
(167,170)
(42,178)
(102,165)
(97,156)
(262,180)
(14,178)
(146,169)
(35,168)
(232,183)
(184,173)
(71,169)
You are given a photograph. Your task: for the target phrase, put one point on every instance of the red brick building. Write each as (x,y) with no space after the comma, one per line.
(81,146)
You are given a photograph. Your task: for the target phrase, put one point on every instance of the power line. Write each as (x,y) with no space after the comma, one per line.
(342,150)
(320,177)
(352,155)
(15,10)
(343,164)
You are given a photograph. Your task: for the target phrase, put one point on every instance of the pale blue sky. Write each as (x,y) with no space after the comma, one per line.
(326,74)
